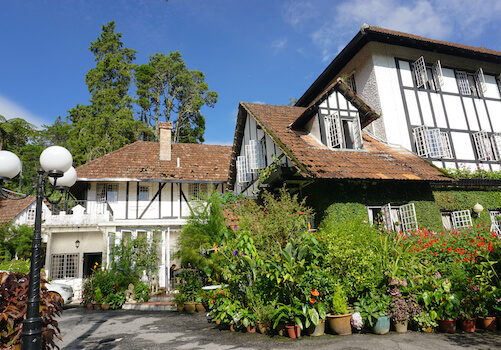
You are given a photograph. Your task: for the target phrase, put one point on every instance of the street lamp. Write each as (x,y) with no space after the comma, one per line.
(55,161)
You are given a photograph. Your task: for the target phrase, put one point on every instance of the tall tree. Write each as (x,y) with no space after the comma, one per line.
(15,133)
(108,122)
(165,86)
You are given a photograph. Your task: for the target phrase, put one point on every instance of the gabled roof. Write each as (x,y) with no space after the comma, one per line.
(369,33)
(314,160)
(140,161)
(10,208)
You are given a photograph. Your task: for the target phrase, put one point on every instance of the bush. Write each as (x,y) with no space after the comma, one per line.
(141,292)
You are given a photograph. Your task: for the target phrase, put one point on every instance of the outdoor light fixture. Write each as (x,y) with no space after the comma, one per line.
(478,208)
(77,243)
(55,161)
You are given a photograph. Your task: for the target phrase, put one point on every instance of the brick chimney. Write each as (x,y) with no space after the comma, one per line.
(165,141)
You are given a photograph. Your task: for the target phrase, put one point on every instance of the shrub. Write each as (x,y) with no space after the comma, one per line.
(141,292)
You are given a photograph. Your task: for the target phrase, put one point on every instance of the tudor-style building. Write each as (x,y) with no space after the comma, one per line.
(144,188)
(385,108)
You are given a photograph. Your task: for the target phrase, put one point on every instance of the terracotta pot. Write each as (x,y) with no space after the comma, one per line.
(291,331)
(469,325)
(382,325)
(401,326)
(105,306)
(89,306)
(447,326)
(264,327)
(489,323)
(251,329)
(97,306)
(317,330)
(339,324)
(298,331)
(218,322)
(190,308)
(180,307)
(200,307)
(233,327)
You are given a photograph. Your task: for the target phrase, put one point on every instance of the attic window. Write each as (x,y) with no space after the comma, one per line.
(242,169)
(255,155)
(427,77)
(432,143)
(350,81)
(471,84)
(343,132)
(488,147)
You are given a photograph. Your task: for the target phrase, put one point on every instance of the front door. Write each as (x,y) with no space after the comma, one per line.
(90,260)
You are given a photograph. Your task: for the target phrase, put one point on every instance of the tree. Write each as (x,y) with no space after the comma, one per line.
(108,122)
(165,86)
(15,133)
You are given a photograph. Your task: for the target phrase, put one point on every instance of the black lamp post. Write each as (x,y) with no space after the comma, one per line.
(56,162)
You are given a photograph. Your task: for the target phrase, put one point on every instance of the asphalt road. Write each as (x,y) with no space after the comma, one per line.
(130,329)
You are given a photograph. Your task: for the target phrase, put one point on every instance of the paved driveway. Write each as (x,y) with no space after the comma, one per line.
(129,329)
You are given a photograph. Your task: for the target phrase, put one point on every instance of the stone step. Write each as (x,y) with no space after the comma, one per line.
(162,297)
(151,306)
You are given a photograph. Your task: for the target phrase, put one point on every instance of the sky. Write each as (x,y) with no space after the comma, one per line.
(264,51)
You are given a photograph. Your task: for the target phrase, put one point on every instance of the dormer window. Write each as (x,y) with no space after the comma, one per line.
(343,132)
(427,77)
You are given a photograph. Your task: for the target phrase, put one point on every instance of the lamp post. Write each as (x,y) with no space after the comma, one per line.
(55,161)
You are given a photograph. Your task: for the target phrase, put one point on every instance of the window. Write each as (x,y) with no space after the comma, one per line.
(432,143)
(350,81)
(427,77)
(471,84)
(197,191)
(343,132)
(495,216)
(400,218)
(484,147)
(242,169)
(461,218)
(31,215)
(143,193)
(64,266)
(255,155)
(107,192)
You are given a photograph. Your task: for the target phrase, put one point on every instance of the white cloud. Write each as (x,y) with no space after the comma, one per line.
(296,13)
(10,109)
(279,44)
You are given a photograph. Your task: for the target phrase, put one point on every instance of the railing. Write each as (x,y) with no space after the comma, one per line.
(90,207)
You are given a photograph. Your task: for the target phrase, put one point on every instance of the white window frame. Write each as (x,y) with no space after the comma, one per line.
(64,266)
(432,143)
(480,82)
(461,218)
(255,155)
(420,74)
(438,76)
(334,131)
(242,170)
(495,224)
(496,145)
(463,83)
(399,218)
(104,191)
(483,146)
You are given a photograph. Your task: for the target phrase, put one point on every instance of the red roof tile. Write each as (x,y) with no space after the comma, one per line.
(140,160)
(10,208)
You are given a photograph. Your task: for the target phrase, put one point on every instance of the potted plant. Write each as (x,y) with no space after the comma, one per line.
(374,309)
(444,306)
(425,322)
(179,299)
(290,315)
(116,300)
(98,298)
(105,305)
(264,315)
(469,308)
(248,320)
(339,318)
(402,308)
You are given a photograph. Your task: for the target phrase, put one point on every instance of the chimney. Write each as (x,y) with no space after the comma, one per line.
(165,140)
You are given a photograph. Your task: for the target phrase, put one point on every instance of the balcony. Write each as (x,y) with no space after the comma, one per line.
(78,212)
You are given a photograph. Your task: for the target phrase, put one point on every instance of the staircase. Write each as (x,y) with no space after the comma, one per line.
(161,302)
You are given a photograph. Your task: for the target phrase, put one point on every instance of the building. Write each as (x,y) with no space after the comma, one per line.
(144,188)
(375,127)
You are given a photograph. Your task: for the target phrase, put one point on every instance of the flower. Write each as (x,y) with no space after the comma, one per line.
(312,301)
(356,321)
(235,252)
(315,292)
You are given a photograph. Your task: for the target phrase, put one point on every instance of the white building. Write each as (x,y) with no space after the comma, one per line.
(144,188)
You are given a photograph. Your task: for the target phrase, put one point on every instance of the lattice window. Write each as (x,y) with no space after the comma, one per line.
(64,266)
(496,145)
(463,83)
(408,217)
(438,76)
(197,190)
(350,81)
(357,134)
(483,145)
(460,219)
(386,216)
(333,131)
(495,222)
(432,143)
(107,192)
(419,68)
(480,82)
(255,155)
(144,193)
(31,215)
(242,169)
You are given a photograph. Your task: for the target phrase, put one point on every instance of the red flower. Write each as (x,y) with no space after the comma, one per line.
(312,301)
(315,293)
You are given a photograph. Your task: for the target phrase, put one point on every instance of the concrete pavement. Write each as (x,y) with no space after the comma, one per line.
(132,329)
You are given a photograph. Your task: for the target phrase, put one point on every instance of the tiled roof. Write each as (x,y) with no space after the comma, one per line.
(313,159)
(10,208)
(140,160)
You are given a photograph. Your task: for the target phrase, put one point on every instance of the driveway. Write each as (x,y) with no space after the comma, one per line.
(130,329)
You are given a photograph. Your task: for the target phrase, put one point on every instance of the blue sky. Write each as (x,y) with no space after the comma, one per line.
(255,51)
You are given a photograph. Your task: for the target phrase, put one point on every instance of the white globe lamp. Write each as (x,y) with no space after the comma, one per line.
(56,158)
(10,165)
(67,180)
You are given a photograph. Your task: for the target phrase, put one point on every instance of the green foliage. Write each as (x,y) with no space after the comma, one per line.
(15,241)
(98,295)
(372,307)
(339,304)
(464,172)
(16,266)
(166,86)
(189,285)
(141,292)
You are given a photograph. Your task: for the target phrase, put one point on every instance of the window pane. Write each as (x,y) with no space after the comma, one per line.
(143,193)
